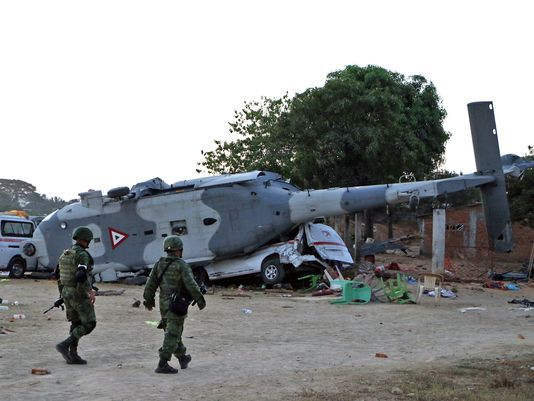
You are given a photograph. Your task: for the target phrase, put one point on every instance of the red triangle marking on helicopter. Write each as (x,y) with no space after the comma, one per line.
(116,236)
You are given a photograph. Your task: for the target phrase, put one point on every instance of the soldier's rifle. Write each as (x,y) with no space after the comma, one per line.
(203,289)
(57,304)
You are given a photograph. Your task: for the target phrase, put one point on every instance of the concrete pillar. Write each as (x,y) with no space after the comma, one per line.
(438,241)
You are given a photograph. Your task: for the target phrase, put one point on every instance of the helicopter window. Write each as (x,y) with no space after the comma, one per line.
(149,232)
(179,227)
(96,240)
(208,221)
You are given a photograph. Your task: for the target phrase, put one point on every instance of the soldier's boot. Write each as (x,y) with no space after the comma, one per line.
(184,361)
(63,348)
(75,359)
(164,367)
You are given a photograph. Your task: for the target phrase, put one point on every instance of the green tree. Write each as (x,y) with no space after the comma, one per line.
(260,144)
(17,194)
(521,195)
(364,126)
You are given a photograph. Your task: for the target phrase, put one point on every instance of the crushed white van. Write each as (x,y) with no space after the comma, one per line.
(315,245)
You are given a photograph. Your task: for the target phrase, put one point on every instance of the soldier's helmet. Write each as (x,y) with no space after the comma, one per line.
(173,243)
(83,233)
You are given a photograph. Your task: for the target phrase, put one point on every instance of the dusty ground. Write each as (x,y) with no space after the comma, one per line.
(288,348)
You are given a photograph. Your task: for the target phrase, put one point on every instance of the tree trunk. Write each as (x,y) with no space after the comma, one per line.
(357,238)
(346,230)
(368,218)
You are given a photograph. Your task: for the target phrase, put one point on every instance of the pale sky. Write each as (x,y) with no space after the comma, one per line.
(101,94)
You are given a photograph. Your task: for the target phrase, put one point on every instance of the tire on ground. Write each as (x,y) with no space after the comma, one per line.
(17,267)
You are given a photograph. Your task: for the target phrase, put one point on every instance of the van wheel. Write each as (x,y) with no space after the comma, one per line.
(17,267)
(272,271)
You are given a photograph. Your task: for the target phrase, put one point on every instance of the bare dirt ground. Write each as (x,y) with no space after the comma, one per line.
(289,347)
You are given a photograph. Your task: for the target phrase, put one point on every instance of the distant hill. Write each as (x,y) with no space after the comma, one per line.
(20,195)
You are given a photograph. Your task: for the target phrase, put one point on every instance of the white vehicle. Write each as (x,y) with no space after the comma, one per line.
(315,245)
(14,230)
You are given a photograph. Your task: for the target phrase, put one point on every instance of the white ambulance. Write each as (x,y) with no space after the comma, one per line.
(15,228)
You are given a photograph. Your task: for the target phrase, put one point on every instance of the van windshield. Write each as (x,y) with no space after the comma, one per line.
(17,229)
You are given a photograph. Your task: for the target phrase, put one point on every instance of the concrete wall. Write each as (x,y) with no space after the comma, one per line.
(466,236)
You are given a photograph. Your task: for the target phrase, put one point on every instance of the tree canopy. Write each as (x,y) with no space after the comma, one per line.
(258,146)
(520,196)
(366,125)
(18,194)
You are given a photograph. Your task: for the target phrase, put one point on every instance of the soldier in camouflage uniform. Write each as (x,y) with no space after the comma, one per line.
(75,287)
(172,275)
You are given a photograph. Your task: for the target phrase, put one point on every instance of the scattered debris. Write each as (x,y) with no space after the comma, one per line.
(394,245)
(526,302)
(313,281)
(444,293)
(225,294)
(321,293)
(278,291)
(396,391)
(246,311)
(285,286)
(153,323)
(523,310)
(7,302)
(136,304)
(5,330)
(380,355)
(509,276)
(471,308)
(521,336)
(353,293)
(137,280)
(396,290)
(40,371)
(501,285)
(110,292)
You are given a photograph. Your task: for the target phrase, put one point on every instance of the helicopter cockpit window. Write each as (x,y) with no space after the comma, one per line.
(179,227)
(208,221)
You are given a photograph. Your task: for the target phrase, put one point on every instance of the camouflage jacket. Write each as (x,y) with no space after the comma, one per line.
(82,257)
(178,277)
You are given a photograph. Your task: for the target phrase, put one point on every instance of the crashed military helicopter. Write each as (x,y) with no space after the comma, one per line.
(233,224)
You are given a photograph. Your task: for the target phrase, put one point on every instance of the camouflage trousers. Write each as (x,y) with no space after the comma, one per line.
(80,312)
(172,340)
